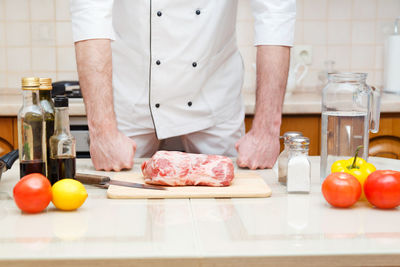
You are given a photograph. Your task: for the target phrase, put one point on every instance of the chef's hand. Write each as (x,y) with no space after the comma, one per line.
(112,151)
(257,150)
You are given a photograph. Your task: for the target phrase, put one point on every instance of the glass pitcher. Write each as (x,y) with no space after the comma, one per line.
(350,110)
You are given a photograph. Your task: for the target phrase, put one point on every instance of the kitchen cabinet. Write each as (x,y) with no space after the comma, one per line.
(385,143)
(8,134)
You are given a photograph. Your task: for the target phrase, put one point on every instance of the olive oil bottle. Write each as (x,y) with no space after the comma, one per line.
(62,144)
(48,113)
(31,130)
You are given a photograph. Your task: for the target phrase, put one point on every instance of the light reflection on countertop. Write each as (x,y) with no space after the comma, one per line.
(198,229)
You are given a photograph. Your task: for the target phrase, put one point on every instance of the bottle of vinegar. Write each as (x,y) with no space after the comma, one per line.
(48,113)
(31,130)
(62,144)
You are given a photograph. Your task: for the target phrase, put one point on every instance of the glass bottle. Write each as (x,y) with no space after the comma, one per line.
(299,166)
(62,144)
(48,112)
(31,130)
(350,110)
(283,156)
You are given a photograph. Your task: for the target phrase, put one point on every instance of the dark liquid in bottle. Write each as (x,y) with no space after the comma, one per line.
(61,168)
(32,166)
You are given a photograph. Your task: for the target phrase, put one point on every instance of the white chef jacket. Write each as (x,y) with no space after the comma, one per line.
(176,64)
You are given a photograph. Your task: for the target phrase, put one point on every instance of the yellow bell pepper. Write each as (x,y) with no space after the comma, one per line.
(355,166)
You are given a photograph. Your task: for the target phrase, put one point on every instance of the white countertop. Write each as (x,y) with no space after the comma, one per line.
(286,230)
(297,103)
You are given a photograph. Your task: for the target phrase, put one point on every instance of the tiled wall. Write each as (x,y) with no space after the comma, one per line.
(350,32)
(35,38)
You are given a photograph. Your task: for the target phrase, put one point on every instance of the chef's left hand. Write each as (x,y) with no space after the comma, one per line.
(257,150)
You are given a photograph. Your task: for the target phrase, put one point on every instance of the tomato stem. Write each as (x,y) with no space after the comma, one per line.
(353,165)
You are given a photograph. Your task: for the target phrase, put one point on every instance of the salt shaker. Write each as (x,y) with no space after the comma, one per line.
(283,157)
(299,166)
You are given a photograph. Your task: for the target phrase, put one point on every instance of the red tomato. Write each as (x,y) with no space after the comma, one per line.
(341,189)
(382,189)
(32,193)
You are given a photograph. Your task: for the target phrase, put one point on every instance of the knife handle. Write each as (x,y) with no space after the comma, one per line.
(95,179)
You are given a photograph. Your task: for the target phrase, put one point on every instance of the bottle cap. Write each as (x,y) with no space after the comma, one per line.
(288,135)
(60,101)
(30,83)
(299,143)
(45,84)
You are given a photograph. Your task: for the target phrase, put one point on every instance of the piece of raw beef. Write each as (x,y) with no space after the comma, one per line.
(178,168)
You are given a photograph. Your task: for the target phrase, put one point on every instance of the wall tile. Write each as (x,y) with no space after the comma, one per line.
(364,9)
(315,32)
(2,34)
(2,13)
(47,74)
(14,79)
(43,34)
(339,32)
(62,10)
(300,9)
(18,34)
(362,57)
(245,33)
(363,32)
(42,10)
(19,59)
(3,79)
(299,32)
(16,10)
(43,58)
(64,33)
(339,9)
(319,56)
(3,61)
(388,9)
(66,59)
(379,82)
(244,11)
(65,75)
(341,55)
(315,9)
(379,57)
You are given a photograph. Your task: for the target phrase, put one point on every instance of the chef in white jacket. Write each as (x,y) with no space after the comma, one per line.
(154,69)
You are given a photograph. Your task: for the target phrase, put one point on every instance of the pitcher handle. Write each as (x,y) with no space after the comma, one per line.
(375,110)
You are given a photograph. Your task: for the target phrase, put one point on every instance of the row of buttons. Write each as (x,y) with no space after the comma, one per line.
(194,64)
(189,104)
(198,12)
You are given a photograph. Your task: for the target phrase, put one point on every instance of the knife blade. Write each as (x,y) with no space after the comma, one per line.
(105,181)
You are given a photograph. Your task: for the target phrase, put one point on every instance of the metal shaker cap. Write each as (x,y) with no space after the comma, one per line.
(288,135)
(299,143)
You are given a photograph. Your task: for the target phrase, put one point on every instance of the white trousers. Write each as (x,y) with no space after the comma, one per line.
(217,140)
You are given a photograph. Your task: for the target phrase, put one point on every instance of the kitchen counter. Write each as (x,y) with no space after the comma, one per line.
(283,230)
(297,103)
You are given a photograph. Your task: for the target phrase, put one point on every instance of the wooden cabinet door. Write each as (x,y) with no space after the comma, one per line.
(6,135)
(309,125)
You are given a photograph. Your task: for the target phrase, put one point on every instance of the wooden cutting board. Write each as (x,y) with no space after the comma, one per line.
(245,184)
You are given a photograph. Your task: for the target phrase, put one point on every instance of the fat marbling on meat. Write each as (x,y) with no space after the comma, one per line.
(178,168)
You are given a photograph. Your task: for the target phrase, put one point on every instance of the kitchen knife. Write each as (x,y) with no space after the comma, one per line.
(105,181)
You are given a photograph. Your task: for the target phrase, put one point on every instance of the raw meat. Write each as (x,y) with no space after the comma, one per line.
(178,168)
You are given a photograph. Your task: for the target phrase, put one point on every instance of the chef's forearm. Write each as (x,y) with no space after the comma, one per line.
(94,63)
(272,72)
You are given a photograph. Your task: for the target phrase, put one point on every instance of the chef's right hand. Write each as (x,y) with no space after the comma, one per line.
(112,151)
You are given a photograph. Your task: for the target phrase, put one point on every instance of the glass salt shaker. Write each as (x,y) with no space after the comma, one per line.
(299,166)
(283,157)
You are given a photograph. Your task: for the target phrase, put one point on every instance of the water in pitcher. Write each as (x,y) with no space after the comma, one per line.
(342,132)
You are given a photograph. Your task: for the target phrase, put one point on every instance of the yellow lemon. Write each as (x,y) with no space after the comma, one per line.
(68,194)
